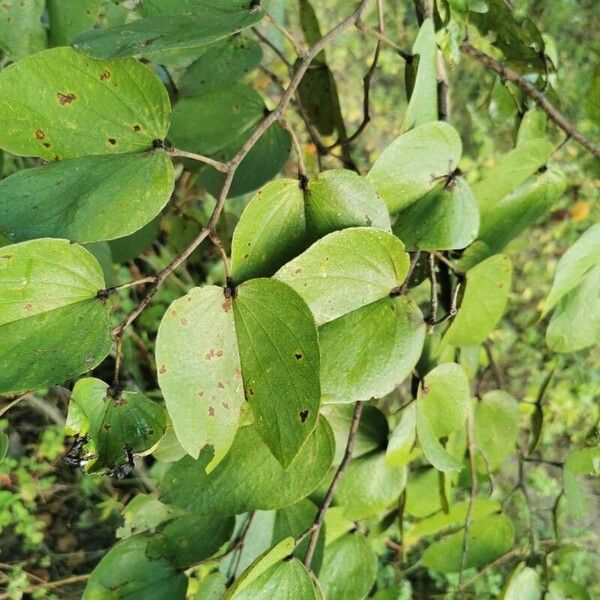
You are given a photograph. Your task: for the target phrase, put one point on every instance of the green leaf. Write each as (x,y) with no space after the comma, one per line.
(53,326)
(584,461)
(187,540)
(447,218)
(69,18)
(144,513)
(3,446)
(223,63)
(349,568)
(412,165)
(522,584)
(86,199)
(346,270)
(60,104)
(112,423)
(533,125)
(212,587)
(280,360)
(127,572)
(400,447)
(592,101)
(444,396)
(21,29)
(576,263)
(368,352)
(567,590)
(514,168)
(249,477)
(199,371)
(131,246)
(488,539)
(422,106)
(575,323)
(287,580)
(282,220)
(261,565)
(483,304)
(208,24)
(369,486)
(496,426)
(508,217)
(153,8)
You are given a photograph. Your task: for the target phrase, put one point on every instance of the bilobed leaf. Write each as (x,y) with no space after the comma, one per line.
(522,584)
(488,539)
(280,359)
(507,217)
(69,18)
(369,485)
(128,572)
(199,371)
(21,29)
(86,199)
(112,423)
(496,426)
(422,106)
(412,164)
(532,126)
(402,440)
(513,169)
(575,323)
(346,270)
(287,580)
(447,218)
(223,63)
(349,568)
(483,303)
(53,326)
(61,104)
(249,477)
(583,461)
(366,353)
(207,24)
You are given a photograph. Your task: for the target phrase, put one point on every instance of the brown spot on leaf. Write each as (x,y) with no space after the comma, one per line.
(46,145)
(303,415)
(137,128)
(211,411)
(221,385)
(297,271)
(162,370)
(225,405)
(227,304)
(40,135)
(298,356)
(64,99)
(107,426)
(184,321)
(201,393)
(112,141)
(105,74)
(210,354)
(7,256)
(219,353)
(28,306)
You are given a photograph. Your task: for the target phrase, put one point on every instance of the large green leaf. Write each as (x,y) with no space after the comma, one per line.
(422,106)
(223,63)
(21,29)
(69,18)
(53,326)
(86,199)
(488,539)
(282,219)
(414,163)
(513,169)
(346,270)
(125,572)
(127,422)
(249,477)
(60,104)
(199,371)
(483,303)
(208,24)
(507,217)
(280,359)
(368,352)
(496,426)
(447,218)
(349,568)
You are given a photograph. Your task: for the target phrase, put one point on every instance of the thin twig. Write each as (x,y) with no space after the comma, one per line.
(267,42)
(297,149)
(367,29)
(298,47)
(528,88)
(434,291)
(219,166)
(318,523)
(472,495)
(216,240)
(414,259)
(450,314)
(13,402)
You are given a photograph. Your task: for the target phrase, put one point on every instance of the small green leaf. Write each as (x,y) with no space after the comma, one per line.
(60,104)
(208,24)
(399,450)
(249,477)
(584,461)
(53,326)
(349,568)
(447,218)
(21,29)
(522,584)
(3,446)
(69,18)
(532,126)
(483,303)
(567,590)
(86,199)
(346,270)
(368,352)
(144,513)
(422,106)
(488,539)
(212,587)
(414,163)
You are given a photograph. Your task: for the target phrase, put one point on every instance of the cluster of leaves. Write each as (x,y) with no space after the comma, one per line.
(329,299)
